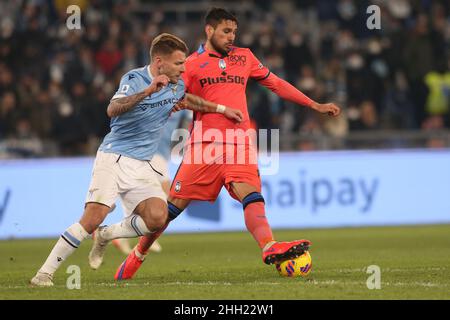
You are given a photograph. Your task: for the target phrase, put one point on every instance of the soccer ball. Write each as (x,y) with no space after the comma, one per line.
(298,267)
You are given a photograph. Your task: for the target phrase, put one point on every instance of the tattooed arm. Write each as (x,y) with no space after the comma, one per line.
(121,105)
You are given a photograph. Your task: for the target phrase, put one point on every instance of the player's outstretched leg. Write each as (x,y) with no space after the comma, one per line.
(151,218)
(69,241)
(123,244)
(131,227)
(134,260)
(257,225)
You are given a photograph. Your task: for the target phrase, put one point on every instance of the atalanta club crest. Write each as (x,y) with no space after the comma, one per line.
(222,64)
(178,186)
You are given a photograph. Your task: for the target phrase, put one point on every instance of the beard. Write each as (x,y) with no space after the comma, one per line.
(163,70)
(217,48)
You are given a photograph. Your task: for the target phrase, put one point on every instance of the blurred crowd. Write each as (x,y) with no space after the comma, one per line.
(55,83)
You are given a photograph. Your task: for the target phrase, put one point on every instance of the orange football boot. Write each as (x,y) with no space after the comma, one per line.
(129,267)
(281,251)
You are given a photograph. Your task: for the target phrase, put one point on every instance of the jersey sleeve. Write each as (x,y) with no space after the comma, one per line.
(127,87)
(285,90)
(257,70)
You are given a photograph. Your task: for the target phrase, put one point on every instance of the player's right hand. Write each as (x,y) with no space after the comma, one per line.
(329,108)
(233,114)
(158,83)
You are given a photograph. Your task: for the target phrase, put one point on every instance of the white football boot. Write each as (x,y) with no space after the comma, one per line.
(155,247)
(98,249)
(42,279)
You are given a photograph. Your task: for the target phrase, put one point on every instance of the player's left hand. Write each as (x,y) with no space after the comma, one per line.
(233,114)
(330,108)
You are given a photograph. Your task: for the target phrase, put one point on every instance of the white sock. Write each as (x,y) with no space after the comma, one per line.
(64,247)
(131,227)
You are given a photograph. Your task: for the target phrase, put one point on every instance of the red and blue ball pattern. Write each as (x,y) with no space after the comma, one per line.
(300,266)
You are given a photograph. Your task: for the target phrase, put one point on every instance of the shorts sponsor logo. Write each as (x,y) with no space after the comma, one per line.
(178,186)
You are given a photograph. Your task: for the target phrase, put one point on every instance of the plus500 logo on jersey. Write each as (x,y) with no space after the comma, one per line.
(224,79)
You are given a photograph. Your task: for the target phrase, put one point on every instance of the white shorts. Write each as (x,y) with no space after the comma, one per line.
(132,180)
(161,165)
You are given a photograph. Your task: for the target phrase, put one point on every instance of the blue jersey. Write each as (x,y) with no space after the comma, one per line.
(136,133)
(173,123)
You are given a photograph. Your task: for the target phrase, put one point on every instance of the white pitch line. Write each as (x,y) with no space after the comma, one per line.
(306,281)
(255,283)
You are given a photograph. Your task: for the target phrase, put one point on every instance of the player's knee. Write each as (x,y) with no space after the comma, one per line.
(94,215)
(89,226)
(160,220)
(252,198)
(156,219)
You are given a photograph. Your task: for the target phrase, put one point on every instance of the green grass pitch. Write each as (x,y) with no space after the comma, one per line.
(414,262)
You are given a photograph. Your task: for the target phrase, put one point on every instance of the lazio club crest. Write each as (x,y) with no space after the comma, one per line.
(174,89)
